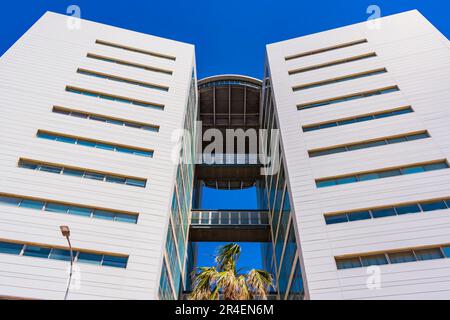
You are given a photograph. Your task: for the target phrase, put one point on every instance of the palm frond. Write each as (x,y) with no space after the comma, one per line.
(259,282)
(227,256)
(203,283)
(210,283)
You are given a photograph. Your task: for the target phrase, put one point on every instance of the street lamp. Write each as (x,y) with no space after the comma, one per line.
(65,231)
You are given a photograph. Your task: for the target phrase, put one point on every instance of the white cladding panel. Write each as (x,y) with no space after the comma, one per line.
(417,58)
(33,77)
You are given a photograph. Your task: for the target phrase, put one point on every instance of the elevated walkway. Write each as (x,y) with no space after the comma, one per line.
(229,226)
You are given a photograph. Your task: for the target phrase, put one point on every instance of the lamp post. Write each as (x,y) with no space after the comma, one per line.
(65,231)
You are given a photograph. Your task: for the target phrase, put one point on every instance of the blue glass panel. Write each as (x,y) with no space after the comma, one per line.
(348,263)
(396,140)
(380,213)
(308,129)
(60,111)
(73,172)
(325,183)
(136,183)
(143,153)
(431,206)
(363,119)
(78,211)
(32,204)
(436,166)
(148,128)
(115,179)
(336,219)
(125,150)
(375,144)
(112,261)
(105,215)
(97,118)
(374,260)
(398,112)
(129,218)
(368,176)
(345,122)
(116,122)
(50,169)
(60,254)
(10,248)
(429,254)
(418,136)
(390,173)
(104,146)
(346,180)
(78,115)
(53,207)
(46,136)
(383,115)
(137,126)
(328,125)
(410,208)
(361,215)
(38,252)
(9,201)
(446,251)
(28,165)
(94,176)
(66,140)
(86,143)
(412,170)
(90,258)
(401,257)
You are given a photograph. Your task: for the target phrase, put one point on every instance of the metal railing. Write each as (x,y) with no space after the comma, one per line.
(229,217)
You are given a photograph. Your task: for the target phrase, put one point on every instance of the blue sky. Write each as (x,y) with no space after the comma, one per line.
(230,37)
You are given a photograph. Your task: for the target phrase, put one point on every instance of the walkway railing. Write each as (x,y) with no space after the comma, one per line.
(229,218)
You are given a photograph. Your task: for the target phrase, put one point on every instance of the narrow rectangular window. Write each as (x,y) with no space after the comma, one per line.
(339,79)
(381,174)
(333,63)
(84,173)
(121,79)
(368,144)
(357,119)
(128,63)
(94,144)
(350,97)
(110,97)
(132,49)
(48,252)
(322,50)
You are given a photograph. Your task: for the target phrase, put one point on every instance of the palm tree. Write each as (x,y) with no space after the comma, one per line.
(224,280)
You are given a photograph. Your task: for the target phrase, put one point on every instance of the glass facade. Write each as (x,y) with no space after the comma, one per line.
(280,256)
(173,280)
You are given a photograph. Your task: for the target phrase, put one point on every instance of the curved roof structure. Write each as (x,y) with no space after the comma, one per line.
(229,78)
(229,101)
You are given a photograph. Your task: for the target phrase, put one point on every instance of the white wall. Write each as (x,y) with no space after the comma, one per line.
(33,76)
(417,58)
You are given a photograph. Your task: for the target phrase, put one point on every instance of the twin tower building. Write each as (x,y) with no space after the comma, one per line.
(354,196)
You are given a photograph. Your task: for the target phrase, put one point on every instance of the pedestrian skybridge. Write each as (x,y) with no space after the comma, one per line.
(229,226)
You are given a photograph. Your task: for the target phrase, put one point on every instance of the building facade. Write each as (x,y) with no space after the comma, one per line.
(358,207)
(89,115)
(363,114)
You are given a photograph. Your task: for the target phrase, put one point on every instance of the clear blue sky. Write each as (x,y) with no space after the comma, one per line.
(229,35)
